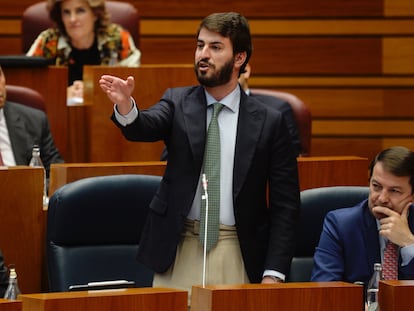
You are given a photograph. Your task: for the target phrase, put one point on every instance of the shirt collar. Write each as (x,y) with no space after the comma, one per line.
(231,101)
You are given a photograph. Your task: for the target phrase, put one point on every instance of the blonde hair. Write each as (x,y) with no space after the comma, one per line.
(97,6)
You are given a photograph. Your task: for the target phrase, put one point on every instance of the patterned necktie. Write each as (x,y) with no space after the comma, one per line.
(212,172)
(390,264)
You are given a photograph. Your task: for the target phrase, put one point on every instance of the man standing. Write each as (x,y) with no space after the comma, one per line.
(256,157)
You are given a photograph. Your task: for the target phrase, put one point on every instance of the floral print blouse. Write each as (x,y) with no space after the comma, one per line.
(115,45)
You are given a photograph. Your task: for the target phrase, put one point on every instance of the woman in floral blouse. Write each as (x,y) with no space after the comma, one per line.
(84,35)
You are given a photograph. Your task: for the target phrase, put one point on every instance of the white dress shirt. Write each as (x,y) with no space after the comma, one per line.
(5,144)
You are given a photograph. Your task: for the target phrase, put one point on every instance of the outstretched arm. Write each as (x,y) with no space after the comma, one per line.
(118,91)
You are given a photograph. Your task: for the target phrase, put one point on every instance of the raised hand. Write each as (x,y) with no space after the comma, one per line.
(394,226)
(119,91)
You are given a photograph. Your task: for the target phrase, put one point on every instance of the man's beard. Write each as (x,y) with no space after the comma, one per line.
(218,77)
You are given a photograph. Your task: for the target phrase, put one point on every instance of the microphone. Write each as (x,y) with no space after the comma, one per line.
(205,197)
(204,182)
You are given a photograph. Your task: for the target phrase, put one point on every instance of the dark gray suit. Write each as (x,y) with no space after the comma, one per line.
(287,112)
(4,278)
(264,154)
(29,126)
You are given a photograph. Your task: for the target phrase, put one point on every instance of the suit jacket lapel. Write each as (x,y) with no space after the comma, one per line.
(411,218)
(17,134)
(371,237)
(249,127)
(194,111)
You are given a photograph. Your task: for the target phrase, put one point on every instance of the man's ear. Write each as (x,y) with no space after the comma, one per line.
(240,58)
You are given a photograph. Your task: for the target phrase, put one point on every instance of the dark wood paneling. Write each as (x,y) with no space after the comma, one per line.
(169,50)
(22,225)
(366,148)
(14,8)
(338,56)
(293,296)
(363,128)
(399,102)
(263,8)
(369,103)
(363,147)
(10,45)
(273,56)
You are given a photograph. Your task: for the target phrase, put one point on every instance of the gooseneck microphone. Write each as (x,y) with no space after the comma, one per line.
(205,197)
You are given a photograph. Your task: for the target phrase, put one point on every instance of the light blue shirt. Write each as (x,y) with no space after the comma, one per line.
(227,120)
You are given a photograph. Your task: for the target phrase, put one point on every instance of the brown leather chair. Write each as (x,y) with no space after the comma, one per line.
(35,19)
(25,96)
(302,114)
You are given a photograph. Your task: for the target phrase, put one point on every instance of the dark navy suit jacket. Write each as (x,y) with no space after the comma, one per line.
(349,246)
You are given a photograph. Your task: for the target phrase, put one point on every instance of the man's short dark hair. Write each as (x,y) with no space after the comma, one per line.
(398,160)
(234,26)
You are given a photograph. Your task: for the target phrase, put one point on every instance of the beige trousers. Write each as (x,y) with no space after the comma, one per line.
(224,261)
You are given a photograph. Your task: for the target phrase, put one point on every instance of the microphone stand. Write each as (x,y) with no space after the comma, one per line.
(205,197)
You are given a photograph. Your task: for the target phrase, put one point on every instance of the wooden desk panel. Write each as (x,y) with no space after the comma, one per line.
(62,174)
(10,305)
(396,295)
(22,224)
(51,82)
(134,299)
(313,171)
(332,296)
(97,133)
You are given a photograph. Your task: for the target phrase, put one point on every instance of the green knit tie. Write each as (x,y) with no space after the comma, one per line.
(212,172)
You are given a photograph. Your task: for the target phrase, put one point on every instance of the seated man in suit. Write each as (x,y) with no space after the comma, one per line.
(4,279)
(22,127)
(355,238)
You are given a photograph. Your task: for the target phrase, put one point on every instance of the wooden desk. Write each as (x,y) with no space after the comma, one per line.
(332,296)
(22,224)
(134,299)
(396,295)
(313,172)
(51,82)
(94,137)
(10,305)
